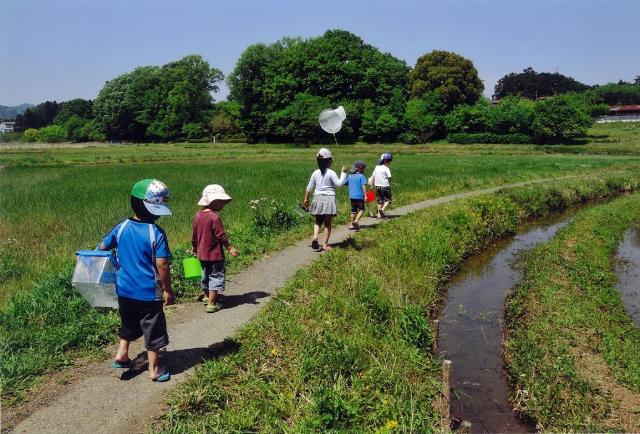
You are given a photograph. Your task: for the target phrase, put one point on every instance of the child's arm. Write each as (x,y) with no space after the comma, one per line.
(310,186)
(232,250)
(221,236)
(164,273)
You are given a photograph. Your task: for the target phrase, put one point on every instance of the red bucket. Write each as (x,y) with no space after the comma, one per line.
(371,196)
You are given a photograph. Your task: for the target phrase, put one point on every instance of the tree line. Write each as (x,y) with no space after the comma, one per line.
(277,91)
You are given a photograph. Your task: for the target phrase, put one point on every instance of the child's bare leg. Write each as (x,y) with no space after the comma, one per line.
(358,216)
(152,357)
(123,351)
(316,231)
(212,296)
(327,231)
(352,219)
(386,204)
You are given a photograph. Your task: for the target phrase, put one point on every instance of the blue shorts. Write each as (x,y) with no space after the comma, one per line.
(213,273)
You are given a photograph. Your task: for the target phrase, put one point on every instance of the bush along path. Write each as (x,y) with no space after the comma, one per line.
(237,380)
(573,352)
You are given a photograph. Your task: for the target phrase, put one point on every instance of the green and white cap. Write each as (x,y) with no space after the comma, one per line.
(154,195)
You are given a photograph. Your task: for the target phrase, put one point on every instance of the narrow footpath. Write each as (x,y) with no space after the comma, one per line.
(107,400)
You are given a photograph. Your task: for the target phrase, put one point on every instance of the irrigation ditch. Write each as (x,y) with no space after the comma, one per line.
(627,268)
(470,329)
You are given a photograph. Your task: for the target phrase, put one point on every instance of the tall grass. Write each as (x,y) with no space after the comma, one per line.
(345,346)
(46,213)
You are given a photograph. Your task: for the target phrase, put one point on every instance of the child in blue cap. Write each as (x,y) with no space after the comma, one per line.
(356,182)
(381,180)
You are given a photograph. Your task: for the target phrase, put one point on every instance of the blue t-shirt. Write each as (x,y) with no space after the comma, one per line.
(136,277)
(356,181)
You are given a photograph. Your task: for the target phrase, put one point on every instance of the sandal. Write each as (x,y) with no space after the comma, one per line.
(213,308)
(165,376)
(121,365)
(315,245)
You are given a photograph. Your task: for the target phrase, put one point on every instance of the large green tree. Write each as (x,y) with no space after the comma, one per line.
(424,116)
(531,84)
(39,116)
(452,76)
(560,119)
(120,109)
(82,108)
(615,93)
(337,67)
(157,103)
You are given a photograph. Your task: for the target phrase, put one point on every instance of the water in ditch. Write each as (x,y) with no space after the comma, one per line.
(471,330)
(628,271)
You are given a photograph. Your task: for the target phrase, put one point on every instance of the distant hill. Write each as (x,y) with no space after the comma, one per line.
(9,113)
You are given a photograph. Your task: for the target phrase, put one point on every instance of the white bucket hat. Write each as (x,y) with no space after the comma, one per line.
(324,153)
(213,192)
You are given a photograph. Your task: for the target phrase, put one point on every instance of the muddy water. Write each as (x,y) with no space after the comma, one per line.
(471,330)
(628,271)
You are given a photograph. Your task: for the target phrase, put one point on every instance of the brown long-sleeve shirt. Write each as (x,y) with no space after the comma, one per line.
(208,237)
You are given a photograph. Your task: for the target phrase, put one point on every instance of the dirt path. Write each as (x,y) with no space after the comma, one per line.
(102,402)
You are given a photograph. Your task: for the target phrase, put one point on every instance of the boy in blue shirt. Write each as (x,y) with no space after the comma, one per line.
(143,276)
(357,190)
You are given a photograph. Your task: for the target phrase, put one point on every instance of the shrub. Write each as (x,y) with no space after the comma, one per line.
(194,131)
(559,119)
(52,134)
(271,216)
(511,115)
(469,138)
(468,118)
(30,135)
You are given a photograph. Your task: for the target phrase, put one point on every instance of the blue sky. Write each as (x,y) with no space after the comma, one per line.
(63,49)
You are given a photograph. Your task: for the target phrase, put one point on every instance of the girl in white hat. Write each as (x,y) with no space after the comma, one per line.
(323,184)
(208,240)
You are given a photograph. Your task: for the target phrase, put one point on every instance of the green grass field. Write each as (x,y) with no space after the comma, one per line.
(47,213)
(54,201)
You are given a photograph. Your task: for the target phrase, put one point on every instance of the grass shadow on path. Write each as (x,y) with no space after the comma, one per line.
(180,361)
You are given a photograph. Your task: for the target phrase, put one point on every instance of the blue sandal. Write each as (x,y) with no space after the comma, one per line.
(165,376)
(121,365)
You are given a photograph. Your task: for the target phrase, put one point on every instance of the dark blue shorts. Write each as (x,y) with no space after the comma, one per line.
(143,318)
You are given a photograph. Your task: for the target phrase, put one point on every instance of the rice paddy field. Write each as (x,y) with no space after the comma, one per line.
(56,200)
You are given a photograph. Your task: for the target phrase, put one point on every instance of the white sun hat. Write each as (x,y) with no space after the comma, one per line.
(324,153)
(213,192)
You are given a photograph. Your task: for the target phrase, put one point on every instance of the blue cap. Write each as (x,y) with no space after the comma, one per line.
(387,156)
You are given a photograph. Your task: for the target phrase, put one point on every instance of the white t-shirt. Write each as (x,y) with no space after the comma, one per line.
(381,176)
(325,184)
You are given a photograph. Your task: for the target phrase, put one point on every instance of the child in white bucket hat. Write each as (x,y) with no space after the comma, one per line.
(208,239)
(323,207)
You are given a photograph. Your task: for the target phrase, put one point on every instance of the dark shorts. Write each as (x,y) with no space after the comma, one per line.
(213,275)
(143,318)
(383,194)
(357,205)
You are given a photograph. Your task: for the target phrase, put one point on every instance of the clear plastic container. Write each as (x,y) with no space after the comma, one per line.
(95,278)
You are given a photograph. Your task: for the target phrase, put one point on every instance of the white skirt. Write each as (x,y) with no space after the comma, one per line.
(323,205)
